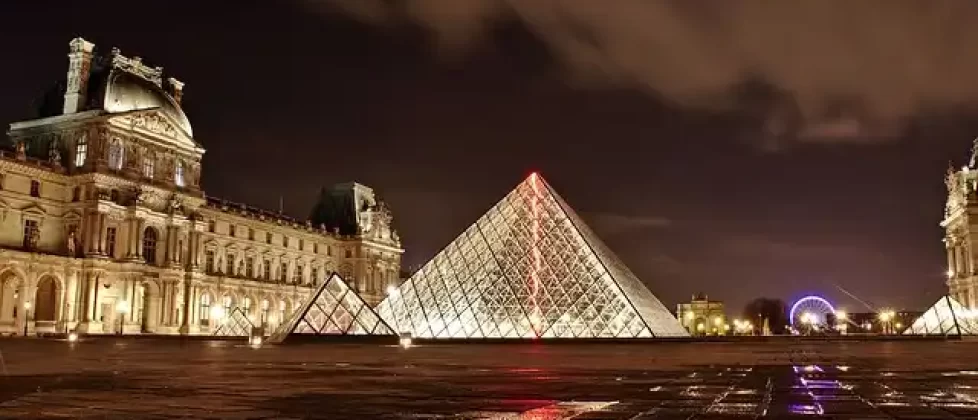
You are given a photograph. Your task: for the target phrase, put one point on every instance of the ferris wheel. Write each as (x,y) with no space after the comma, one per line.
(810,311)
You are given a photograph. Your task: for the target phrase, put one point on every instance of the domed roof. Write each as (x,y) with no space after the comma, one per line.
(126,92)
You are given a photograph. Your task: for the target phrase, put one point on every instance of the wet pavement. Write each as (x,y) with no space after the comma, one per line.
(133,379)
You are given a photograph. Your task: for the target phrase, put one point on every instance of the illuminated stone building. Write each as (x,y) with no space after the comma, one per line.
(702,316)
(105,228)
(960,229)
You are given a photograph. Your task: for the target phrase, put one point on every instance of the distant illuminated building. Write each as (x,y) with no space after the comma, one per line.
(702,316)
(959,229)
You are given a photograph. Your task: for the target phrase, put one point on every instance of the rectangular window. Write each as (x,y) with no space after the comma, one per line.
(285,241)
(315,248)
(30,234)
(314,275)
(231,230)
(149,167)
(250,267)
(81,152)
(35,188)
(75,194)
(210,226)
(329,251)
(283,271)
(110,241)
(251,234)
(268,238)
(297,275)
(302,244)
(268,270)
(349,253)
(229,265)
(209,261)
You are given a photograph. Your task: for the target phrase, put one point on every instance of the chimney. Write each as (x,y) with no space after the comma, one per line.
(79,69)
(176,90)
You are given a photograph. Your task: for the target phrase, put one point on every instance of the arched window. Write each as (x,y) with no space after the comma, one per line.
(117,154)
(149,245)
(81,151)
(178,174)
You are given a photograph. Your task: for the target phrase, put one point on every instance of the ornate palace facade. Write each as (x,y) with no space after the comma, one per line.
(104,227)
(961,231)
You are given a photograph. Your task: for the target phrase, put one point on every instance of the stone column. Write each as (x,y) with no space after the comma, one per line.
(951,264)
(132,239)
(140,236)
(101,233)
(185,322)
(91,283)
(91,233)
(959,257)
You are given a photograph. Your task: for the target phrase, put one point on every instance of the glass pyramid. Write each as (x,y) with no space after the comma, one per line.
(528,268)
(234,324)
(333,309)
(946,317)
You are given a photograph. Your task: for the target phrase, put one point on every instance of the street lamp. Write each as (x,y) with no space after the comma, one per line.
(122,307)
(885,317)
(27,316)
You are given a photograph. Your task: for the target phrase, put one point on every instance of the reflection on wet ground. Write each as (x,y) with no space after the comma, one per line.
(195,379)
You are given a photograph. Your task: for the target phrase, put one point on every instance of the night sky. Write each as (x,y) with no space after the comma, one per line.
(718,146)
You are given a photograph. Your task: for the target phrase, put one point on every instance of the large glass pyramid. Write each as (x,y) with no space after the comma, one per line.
(946,317)
(527,268)
(234,324)
(333,309)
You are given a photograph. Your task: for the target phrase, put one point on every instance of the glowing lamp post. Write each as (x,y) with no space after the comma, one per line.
(122,308)
(886,317)
(842,319)
(27,316)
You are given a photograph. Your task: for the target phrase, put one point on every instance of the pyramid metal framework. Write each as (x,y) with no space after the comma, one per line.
(333,309)
(528,268)
(234,324)
(946,317)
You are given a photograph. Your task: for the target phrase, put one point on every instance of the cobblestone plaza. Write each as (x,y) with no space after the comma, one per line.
(167,378)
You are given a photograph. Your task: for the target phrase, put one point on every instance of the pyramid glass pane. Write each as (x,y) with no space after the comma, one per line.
(333,309)
(529,267)
(946,317)
(234,324)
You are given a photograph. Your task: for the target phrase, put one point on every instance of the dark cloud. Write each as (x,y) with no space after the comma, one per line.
(886,58)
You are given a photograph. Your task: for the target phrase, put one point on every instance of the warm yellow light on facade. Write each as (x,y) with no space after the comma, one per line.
(122,307)
(841,315)
(950,273)
(690,316)
(718,321)
(700,327)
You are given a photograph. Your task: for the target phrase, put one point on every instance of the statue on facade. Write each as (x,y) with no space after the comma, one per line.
(974,153)
(21,150)
(72,251)
(54,154)
(174,205)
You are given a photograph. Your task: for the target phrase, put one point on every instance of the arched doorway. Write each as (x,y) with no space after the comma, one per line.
(46,308)
(9,282)
(149,310)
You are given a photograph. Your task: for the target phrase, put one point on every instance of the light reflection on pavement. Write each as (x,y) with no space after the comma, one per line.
(146,378)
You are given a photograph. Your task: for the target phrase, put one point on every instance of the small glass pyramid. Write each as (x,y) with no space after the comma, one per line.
(528,268)
(333,309)
(234,324)
(946,317)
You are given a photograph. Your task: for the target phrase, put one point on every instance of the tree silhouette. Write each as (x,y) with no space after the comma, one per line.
(775,311)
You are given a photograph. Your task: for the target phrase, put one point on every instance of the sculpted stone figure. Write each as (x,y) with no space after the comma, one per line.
(71,245)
